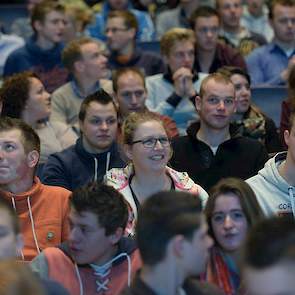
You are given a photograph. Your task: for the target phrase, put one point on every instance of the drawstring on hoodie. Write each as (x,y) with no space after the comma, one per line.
(32,224)
(292,199)
(95,169)
(108,160)
(14,207)
(103,271)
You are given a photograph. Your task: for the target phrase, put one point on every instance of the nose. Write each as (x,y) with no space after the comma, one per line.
(221,105)
(134,99)
(158,145)
(74,235)
(228,222)
(104,125)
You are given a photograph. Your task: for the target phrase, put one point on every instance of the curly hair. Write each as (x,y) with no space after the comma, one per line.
(15,93)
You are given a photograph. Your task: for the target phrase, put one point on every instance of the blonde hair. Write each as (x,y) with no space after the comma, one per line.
(132,122)
(217,77)
(175,35)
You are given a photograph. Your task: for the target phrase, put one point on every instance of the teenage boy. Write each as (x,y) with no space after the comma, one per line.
(96,150)
(42,53)
(96,258)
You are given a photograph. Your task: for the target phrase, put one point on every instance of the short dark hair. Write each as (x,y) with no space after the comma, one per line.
(105,202)
(161,217)
(244,193)
(202,11)
(15,93)
(41,9)
(122,71)
(271,241)
(29,137)
(6,206)
(129,18)
(273,3)
(101,97)
(230,71)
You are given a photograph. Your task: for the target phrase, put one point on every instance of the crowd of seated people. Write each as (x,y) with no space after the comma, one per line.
(129,171)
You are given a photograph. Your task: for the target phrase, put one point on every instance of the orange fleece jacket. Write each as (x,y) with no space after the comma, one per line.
(50,207)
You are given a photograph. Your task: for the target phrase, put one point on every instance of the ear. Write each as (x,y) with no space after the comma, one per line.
(287,137)
(177,246)
(198,103)
(37,25)
(116,236)
(127,150)
(132,32)
(33,158)
(79,66)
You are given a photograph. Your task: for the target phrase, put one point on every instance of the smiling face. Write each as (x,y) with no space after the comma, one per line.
(148,159)
(243,93)
(217,105)
(229,223)
(88,242)
(38,104)
(99,127)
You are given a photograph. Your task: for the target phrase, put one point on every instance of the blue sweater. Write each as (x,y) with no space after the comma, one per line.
(46,64)
(75,167)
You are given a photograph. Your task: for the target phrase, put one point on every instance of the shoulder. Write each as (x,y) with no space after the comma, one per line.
(118,177)
(260,51)
(55,192)
(154,78)
(62,89)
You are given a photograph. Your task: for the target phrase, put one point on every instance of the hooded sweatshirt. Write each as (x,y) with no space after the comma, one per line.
(42,211)
(75,167)
(111,278)
(274,194)
(120,180)
(46,64)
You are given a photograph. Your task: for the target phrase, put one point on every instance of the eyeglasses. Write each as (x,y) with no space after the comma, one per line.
(115,30)
(150,143)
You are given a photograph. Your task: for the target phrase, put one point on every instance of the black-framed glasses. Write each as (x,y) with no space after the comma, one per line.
(150,143)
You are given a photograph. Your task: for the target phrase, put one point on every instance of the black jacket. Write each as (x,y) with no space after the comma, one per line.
(237,157)
(74,166)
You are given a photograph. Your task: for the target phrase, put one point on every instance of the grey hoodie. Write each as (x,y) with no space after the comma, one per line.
(274,194)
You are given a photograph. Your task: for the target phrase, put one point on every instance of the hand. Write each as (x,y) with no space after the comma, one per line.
(183,82)
(285,73)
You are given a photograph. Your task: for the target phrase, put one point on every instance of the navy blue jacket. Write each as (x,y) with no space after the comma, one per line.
(75,167)
(46,64)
